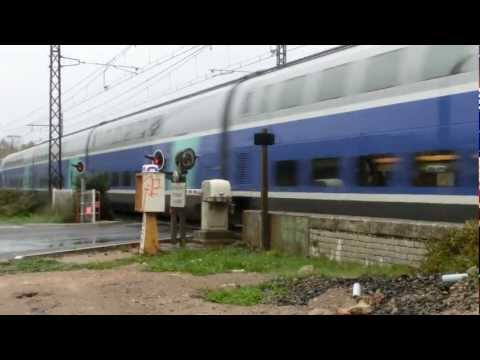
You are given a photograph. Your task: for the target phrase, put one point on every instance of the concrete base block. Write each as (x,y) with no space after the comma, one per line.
(214,237)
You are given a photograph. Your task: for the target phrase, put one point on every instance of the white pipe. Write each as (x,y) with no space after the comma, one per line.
(454,277)
(357,290)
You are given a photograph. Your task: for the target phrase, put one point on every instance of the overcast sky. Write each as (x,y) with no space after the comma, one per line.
(93,93)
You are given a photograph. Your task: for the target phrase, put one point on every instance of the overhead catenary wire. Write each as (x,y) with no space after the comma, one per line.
(151,66)
(45,108)
(92,76)
(202,79)
(114,85)
(116,97)
(98,72)
(196,81)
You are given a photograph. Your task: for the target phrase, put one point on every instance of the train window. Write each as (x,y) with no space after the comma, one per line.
(292,91)
(266,97)
(242,168)
(383,70)
(331,83)
(375,170)
(435,169)
(286,173)
(444,60)
(126,179)
(325,172)
(115,179)
(247,104)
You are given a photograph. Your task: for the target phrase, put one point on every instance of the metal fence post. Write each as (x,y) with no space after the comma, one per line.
(94,207)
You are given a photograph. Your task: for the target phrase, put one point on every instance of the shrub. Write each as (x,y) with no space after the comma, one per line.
(31,206)
(15,203)
(457,252)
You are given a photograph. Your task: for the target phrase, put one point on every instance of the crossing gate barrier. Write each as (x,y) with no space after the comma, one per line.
(88,206)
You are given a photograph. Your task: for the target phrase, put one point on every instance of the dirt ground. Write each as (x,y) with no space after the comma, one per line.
(126,290)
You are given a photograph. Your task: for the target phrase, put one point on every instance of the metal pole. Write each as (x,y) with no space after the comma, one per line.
(173,224)
(182,227)
(281,55)
(82,202)
(264,199)
(55,121)
(94,208)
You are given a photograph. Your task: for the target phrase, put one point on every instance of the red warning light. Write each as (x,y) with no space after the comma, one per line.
(158,159)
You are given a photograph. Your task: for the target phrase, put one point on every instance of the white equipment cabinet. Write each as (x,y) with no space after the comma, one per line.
(216,199)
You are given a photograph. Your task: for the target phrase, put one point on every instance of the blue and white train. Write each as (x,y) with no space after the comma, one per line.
(382,131)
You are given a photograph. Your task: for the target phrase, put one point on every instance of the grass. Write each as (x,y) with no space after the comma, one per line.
(249,295)
(222,260)
(456,252)
(33,219)
(34,265)
(244,296)
(214,261)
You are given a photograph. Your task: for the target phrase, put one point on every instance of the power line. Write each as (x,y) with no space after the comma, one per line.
(138,85)
(156,63)
(27,116)
(241,64)
(161,62)
(123,52)
(82,62)
(258,72)
(202,79)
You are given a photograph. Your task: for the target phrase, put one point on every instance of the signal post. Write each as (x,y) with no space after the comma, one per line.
(150,197)
(184,161)
(150,200)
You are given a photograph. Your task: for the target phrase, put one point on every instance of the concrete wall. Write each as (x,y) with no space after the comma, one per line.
(345,238)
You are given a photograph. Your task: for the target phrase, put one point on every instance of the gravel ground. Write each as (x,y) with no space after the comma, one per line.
(406,295)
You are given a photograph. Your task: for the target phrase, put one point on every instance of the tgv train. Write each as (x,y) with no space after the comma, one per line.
(382,131)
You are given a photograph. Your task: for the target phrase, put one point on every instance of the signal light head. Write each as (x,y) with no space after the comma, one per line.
(159,159)
(186,159)
(80,167)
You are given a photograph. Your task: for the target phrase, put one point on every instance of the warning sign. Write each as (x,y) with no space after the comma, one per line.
(177,196)
(150,192)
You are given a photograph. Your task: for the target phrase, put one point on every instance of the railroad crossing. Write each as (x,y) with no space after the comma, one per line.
(26,240)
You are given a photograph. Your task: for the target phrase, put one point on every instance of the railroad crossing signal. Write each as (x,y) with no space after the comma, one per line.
(157,159)
(185,160)
(80,167)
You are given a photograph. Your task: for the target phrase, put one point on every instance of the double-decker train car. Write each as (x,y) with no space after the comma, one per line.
(382,131)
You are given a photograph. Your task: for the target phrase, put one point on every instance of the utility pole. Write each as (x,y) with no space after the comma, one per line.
(55,122)
(264,139)
(281,55)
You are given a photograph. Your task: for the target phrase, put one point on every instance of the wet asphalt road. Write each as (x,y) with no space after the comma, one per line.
(21,240)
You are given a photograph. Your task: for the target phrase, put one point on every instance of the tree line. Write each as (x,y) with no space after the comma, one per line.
(7,148)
